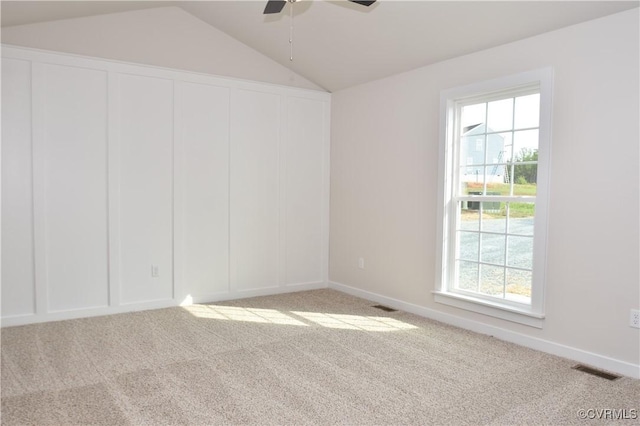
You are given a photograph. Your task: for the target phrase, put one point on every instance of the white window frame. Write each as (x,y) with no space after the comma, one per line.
(533,314)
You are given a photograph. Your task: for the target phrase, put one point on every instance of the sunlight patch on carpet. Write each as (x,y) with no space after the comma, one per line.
(298,318)
(232,313)
(354,322)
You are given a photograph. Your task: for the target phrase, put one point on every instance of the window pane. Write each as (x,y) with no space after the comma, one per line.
(500,115)
(468,245)
(493,219)
(471,180)
(520,252)
(473,115)
(521,218)
(499,147)
(527,111)
(491,280)
(497,189)
(467,276)
(494,175)
(469,217)
(519,285)
(525,179)
(472,150)
(492,248)
(525,142)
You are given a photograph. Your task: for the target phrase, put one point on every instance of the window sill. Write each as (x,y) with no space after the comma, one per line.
(496,310)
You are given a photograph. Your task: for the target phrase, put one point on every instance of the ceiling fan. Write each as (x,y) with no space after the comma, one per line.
(276,6)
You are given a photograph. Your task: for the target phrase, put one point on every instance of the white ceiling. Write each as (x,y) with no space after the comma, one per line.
(338,44)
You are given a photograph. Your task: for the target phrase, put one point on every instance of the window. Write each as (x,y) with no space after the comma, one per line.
(493,190)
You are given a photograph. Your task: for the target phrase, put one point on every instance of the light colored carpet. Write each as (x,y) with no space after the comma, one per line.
(316,357)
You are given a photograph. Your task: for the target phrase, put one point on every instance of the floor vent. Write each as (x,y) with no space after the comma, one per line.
(595,372)
(385,308)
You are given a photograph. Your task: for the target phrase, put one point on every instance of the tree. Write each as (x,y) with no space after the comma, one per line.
(526,173)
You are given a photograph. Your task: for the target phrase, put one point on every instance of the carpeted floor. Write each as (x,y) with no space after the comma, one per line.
(316,357)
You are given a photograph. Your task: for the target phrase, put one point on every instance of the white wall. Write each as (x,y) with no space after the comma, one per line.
(126,187)
(166,37)
(384,174)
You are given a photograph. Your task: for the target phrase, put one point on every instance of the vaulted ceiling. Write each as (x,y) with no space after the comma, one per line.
(338,44)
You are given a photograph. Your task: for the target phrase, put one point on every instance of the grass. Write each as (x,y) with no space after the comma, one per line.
(515,209)
(504,188)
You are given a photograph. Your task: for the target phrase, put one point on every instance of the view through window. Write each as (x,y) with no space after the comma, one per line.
(497,180)
(494,175)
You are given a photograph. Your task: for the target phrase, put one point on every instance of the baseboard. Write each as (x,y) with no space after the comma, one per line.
(579,355)
(159,304)
(86,312)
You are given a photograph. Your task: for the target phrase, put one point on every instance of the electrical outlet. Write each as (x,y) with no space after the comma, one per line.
(361,262)
(634,318)
(155,273)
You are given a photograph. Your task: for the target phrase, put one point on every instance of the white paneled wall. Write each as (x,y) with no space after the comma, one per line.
(127,187)
(70,146)
(204,136)
(303,181)
(145,139)
(17,186)
(255,125)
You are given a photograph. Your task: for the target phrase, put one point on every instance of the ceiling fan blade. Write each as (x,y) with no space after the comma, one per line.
(274,6)
(364,2)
